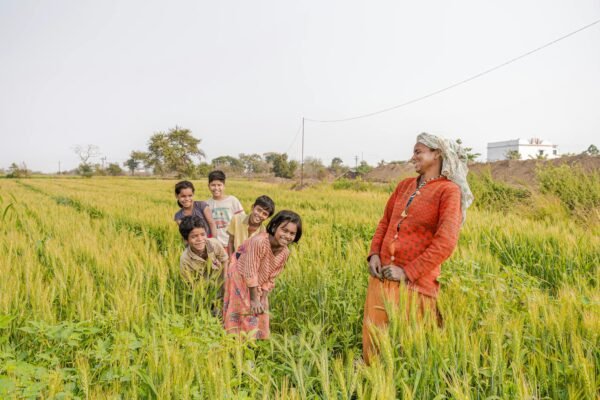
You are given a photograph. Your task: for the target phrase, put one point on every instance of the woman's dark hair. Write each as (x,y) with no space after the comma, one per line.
(179,186)
(285,217)
(266,203)
(189,223)
(216,176)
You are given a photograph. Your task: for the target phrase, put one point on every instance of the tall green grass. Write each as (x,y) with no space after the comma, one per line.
(577,189)
(496,195)
(92,305)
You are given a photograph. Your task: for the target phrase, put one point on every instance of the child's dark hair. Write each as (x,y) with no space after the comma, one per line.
(266,203)
(179,186)
(216,176)
(189,223)
(285,217)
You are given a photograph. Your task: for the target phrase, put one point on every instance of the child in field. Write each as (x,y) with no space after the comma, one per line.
(251,277)
(243,226)
(203,259)
(184,192)
(223,206)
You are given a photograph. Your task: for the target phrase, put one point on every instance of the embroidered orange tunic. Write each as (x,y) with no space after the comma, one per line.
(418,238)
(420,241)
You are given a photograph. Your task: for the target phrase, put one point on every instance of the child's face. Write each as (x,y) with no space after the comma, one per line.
(217,188)
(285,233)
(258,215)
(186,197)
(197,240)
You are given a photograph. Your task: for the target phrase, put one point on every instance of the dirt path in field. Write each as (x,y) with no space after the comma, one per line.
(520,172)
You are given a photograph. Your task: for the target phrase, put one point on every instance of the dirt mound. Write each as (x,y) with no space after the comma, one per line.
(390,173)
(521,172)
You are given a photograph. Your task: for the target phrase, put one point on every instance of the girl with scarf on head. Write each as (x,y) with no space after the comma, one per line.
(417,233)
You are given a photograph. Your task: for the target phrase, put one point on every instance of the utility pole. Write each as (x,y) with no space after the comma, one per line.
(355,163)
(302,165)
(103,159)
(59,167)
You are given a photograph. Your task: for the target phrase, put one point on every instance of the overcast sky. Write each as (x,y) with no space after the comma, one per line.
(241,74)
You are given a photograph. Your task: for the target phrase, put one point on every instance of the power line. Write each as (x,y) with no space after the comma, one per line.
(460,82)
(294,140)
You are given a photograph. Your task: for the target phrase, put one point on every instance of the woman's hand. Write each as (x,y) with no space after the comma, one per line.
(393,273)
(375,266)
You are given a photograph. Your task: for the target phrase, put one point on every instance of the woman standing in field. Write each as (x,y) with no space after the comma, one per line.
(251,277)
(418,231)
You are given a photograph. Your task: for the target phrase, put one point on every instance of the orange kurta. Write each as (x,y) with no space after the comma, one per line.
(418,240)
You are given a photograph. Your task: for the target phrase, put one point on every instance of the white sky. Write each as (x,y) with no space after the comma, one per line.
(241,74)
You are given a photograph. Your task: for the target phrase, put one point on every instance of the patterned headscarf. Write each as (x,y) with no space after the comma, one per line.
(454,165)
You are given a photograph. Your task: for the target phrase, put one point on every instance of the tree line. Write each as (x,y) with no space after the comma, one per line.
(177,153)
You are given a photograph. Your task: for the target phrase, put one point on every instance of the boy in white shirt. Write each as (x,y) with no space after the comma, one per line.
(223,206)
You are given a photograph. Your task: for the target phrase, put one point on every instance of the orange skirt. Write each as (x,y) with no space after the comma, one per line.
(237,315)
(378,293)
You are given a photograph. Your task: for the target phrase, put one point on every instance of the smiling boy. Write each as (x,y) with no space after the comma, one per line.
(223,206)
(203,259)
(243,227)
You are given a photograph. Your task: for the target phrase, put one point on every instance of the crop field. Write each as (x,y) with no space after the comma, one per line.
(92,305)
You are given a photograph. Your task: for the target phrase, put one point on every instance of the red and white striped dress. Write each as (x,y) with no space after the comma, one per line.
(258,267)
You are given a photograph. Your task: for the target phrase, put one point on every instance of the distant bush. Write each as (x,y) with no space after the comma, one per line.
(577,189)
(18,171)
(491,194)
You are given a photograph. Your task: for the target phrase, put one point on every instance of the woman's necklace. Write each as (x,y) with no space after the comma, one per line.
(422,182)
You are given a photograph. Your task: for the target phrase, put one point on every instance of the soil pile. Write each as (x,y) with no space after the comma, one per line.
(519,172)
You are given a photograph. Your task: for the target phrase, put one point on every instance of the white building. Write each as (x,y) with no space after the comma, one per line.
(527,148)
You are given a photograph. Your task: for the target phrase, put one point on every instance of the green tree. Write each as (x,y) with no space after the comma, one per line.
(592,150)
(314,168)
(469,152)
(281,167)
(85,170)
(337,166)
(512,155)
(114,169)
(98,170)
(86,153)
(228,163)
(203,169)
(254,163)
(336,163)
(136,158)
(173,152)
(18,171)
(363,168)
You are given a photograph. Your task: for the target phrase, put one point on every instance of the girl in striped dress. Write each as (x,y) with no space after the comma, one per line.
(251,276)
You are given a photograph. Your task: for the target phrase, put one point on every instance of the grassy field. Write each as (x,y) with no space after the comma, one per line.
(92,305)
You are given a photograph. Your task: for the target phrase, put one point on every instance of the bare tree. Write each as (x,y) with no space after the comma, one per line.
(87,152)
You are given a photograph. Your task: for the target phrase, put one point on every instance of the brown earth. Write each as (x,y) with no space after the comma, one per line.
(390,173)
(520,172)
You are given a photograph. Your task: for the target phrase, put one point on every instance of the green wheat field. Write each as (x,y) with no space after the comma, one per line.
(92,305)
